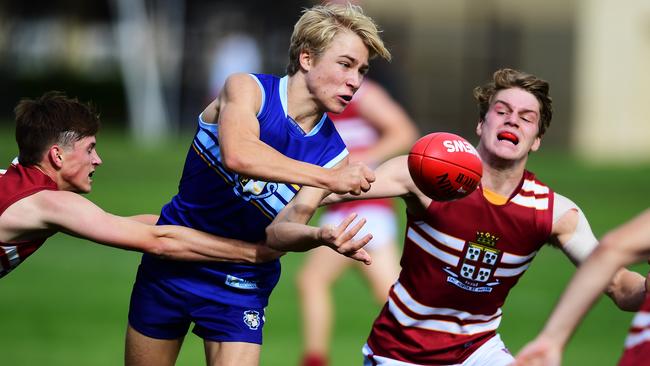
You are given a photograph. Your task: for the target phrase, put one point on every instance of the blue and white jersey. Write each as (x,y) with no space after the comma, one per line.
(216,200)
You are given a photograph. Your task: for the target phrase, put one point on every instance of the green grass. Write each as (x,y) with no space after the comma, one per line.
(67,304)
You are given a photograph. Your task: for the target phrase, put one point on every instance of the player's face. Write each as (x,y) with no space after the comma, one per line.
(511,125)
(334,76)
(78,165)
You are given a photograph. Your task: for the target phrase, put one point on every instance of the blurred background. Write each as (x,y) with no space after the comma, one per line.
(150,66)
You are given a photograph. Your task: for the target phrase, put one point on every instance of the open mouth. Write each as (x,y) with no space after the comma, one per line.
(91,174)
(508,136)
(347,98)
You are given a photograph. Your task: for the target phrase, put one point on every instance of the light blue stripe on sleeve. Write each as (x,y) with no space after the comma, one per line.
(337,159)
(259,83)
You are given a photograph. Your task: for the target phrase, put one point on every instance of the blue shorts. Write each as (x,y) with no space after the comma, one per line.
(161,311)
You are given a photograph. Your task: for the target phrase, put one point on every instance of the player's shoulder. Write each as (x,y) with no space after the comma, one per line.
(531,178)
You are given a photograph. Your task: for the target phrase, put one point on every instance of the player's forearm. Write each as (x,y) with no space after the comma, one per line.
(181,243)
(292,237)
(148,219)
(258,161)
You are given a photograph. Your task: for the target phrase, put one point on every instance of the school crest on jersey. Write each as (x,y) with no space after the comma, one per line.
(249,188)
(478,264)
(252,319)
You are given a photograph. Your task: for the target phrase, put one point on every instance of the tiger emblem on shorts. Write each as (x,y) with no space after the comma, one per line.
(252,319)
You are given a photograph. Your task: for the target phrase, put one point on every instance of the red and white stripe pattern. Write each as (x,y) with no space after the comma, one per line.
(533,195)
(410,313)
(460,261)
(637,343)
(640,331)
(449,249)
(12,255)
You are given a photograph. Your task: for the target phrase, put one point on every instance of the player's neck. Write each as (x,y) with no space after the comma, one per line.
(48,170)
(501,181)
(301,106)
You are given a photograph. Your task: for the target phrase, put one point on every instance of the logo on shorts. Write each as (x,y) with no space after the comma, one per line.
(241,283)
(252,319)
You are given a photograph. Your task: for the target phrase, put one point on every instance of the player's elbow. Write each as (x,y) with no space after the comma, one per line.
(271,237)
(160,248)
(162,245)
(236,162)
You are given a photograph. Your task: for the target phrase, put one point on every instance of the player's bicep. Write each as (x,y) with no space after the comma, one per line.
(72,214)
(238,107)
(571,230)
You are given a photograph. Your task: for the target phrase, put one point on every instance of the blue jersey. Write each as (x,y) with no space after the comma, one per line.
(216,200)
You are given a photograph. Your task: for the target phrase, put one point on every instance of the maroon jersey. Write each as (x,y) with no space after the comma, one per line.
(637,343)
(459,263)
(17,183)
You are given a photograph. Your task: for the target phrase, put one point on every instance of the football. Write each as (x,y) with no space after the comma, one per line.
(445,166)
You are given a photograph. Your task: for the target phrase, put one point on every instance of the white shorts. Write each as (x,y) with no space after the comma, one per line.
(380,222)
(491,353)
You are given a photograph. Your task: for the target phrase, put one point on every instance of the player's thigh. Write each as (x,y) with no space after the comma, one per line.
(232,353)
(383,271)
(381,222)
(143,351)
(322,266)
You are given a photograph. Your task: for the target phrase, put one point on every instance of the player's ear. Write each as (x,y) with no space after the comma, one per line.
(479,127)
(55,155)
(536,144)
(306,59)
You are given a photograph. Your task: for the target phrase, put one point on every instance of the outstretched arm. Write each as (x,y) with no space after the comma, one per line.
(625,245)
(289,232)
(392,180)
(243,152)
(51,211)
(573,235)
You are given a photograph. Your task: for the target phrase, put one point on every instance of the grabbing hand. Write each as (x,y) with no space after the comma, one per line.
(352,178)
(539,352)
(341,239)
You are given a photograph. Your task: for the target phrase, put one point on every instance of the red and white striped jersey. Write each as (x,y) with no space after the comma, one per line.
(458,266)
(17,183)
(637,343)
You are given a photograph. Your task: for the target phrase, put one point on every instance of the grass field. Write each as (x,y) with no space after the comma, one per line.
(67,304)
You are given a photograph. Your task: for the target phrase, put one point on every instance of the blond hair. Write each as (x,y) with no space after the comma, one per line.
(318,25)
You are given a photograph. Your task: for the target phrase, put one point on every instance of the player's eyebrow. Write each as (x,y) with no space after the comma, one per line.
(509,106)
(363,68)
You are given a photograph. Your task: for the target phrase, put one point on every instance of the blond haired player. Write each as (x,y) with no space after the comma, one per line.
(255,145)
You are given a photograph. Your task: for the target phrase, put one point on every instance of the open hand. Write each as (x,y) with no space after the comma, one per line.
(341,238)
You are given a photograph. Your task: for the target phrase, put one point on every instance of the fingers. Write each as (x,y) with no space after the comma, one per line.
(350,247)
(368,174)
(346,222)
(354,179)
(362,256)
(350,233)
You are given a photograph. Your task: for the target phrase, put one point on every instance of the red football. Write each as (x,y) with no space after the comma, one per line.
(445,166)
